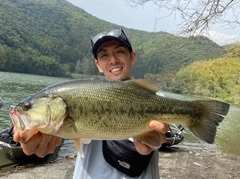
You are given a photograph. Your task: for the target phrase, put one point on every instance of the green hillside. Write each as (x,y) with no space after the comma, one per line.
(52,37)
(218,78)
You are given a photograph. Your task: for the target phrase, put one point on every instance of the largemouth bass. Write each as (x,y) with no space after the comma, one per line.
(92,109)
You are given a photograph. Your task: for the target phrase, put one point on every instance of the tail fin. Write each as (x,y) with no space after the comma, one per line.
(209,116)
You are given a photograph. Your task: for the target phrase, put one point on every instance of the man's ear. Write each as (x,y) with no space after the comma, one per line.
(133,57)
(97,65)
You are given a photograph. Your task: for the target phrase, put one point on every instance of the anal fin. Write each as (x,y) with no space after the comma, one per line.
(152,139)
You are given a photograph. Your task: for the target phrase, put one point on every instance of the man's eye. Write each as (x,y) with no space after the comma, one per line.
(103,55)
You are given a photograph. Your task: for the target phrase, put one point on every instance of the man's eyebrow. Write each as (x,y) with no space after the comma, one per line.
(120,45)
(116,47)
(101,50)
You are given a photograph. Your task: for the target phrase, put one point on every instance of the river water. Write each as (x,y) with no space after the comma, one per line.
(14,87)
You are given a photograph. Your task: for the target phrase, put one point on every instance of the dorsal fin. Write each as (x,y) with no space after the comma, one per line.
(152,85)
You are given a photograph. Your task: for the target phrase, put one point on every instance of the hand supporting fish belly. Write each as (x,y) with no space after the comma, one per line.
(86,110)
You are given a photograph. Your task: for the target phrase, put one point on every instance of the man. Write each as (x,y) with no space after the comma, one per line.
(114,57)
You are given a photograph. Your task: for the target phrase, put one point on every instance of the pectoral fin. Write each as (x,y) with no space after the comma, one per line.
(152,139)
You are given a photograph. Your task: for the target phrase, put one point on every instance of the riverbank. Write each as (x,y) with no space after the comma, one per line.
(188,163)
(177,163)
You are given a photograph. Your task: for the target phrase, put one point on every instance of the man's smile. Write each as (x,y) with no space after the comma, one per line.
(114,70)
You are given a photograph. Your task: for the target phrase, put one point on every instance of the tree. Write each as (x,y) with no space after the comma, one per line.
(2,57)
(198,15)
(78,67)
(88,66)
(234,50)
(66,69)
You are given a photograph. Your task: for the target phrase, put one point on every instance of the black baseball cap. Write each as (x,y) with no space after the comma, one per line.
(113,34)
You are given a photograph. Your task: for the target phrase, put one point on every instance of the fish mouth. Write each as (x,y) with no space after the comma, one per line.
(20,121)
(22,124)
(116,70)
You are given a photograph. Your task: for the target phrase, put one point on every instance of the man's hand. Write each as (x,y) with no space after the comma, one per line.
(161,128)
(39,144)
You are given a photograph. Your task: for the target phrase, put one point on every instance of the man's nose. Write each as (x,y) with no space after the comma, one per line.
(114,59)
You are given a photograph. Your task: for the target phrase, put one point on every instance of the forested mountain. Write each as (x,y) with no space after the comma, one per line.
(52,37)
(218,78)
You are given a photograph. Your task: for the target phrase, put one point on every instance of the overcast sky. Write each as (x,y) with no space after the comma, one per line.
(144,18)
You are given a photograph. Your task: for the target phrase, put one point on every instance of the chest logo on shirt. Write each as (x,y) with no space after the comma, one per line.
(124,164)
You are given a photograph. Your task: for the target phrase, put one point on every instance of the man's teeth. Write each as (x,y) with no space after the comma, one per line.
(115,69)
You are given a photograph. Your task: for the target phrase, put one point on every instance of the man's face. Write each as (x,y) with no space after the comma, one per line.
(115,60)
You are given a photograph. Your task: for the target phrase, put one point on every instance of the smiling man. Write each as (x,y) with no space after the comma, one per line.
(114,60)
(127,159)
(114,56)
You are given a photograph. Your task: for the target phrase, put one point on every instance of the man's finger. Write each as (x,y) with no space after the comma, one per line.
(159,126)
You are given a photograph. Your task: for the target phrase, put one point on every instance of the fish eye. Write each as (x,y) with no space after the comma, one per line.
(26,106)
